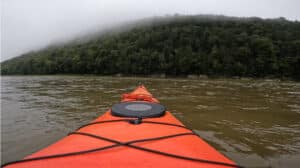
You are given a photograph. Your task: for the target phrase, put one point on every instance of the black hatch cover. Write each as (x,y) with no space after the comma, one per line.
(138,109)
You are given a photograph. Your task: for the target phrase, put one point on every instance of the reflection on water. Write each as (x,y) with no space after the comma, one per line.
(254,122)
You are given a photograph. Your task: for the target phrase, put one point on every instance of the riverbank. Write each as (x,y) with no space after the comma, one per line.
(164,76)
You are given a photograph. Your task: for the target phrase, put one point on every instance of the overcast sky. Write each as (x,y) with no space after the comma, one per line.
(32,24)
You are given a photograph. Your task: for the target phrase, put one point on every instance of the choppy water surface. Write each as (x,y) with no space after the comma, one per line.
(254,122)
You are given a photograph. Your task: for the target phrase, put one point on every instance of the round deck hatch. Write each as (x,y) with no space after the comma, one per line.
(138,109)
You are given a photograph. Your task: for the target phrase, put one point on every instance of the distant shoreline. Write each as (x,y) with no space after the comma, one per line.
(155,76)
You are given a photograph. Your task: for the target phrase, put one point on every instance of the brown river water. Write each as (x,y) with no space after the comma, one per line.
(254,122)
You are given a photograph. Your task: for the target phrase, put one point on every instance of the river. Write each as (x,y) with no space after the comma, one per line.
(254,122)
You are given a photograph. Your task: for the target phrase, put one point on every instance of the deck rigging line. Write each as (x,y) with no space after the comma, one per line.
(128,144)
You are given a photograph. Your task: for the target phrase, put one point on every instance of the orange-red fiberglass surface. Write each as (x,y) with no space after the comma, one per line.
(121,155)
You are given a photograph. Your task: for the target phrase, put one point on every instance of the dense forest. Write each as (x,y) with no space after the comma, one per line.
(177,46)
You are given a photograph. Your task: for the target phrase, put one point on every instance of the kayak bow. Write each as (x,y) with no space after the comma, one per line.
(138,131)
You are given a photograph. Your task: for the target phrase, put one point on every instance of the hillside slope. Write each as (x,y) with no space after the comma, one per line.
(177,45)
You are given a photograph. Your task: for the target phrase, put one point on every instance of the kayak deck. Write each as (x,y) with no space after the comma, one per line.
(111,141)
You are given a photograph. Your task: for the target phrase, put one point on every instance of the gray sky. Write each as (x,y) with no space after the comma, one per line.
(32,24)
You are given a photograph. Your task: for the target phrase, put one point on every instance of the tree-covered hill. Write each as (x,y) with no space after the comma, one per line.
(177,45)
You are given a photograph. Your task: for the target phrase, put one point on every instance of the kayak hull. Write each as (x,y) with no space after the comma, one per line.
(188,145)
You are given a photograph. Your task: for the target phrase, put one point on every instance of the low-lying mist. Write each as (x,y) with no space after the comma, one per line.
(28,25)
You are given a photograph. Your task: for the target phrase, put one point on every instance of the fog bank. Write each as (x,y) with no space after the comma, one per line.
(33,24)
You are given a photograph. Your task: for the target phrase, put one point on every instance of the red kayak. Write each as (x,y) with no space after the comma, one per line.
(137,132)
